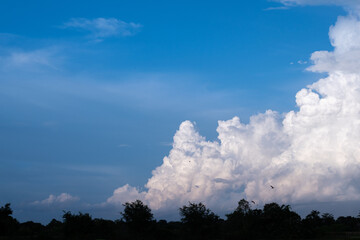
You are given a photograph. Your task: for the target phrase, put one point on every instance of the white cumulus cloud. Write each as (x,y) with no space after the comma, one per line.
(53,200)
(125,194)
(345,37)
(306,155)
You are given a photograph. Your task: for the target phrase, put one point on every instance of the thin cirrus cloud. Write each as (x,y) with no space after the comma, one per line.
(63,198)
(30,60)
(100,28)
(345,3)
(123,145)
(307,155)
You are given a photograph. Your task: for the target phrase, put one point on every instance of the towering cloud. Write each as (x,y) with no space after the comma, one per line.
(310,154)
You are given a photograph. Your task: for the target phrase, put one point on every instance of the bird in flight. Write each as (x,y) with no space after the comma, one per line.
(253,202)
(272,187)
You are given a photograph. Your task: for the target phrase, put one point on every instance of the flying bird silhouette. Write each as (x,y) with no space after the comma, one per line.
(253,202)
(272,187)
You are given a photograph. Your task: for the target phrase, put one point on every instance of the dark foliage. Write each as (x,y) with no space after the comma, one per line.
(244,221)
(280,221)
(30,228)
(8,225)
(136,213)
(199,220)
(311,224)
(103,229)
(54,228)
(78,225)
(274,221)
(347,224)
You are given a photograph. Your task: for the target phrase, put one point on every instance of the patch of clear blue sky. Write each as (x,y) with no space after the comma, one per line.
(101,114)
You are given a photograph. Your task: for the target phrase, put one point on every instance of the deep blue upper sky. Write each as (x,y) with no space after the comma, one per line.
(85,114)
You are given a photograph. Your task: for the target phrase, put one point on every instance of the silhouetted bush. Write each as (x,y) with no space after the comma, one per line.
(348,224)
(280,221)
(8,225)
(137,215)
(311,224)
(274,221)
(31,229)
(244,221)
(78,225)
(199,220)
(54,229)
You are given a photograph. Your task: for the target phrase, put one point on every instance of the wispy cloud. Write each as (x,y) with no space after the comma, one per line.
(302,62)
(53,200)
(100,28)
(276,8)
(349,5)
(124,145)
(30,60)
(166,144)
(345,3)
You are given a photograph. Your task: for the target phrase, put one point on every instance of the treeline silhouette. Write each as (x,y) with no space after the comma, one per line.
(274,221)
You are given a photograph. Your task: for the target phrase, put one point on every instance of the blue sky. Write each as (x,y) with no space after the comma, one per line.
(92,93)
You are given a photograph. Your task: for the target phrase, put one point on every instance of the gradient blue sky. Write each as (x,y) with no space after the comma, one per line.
(85,110)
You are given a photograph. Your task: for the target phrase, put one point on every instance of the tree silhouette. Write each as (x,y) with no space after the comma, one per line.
(31,228)
(313,219)
(280,221)
(103,229)
(54,228)
(137,215)
(327,218)
(244,221)
(312,223)
(274,221)
(348,223)
(199,219)
(5,211)
(8,225)
(240,212)
(79,225)
(243,207)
